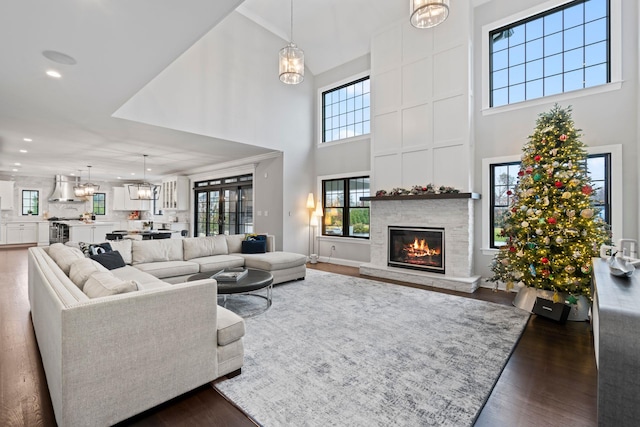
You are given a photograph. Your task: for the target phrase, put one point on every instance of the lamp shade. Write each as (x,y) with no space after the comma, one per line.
(291,64)
(310,203)
(319,210)
(142,190)
(428,13)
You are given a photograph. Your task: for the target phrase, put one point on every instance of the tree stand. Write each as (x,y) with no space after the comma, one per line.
(526,298)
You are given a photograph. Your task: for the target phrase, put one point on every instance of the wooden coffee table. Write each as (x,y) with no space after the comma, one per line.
(255,280)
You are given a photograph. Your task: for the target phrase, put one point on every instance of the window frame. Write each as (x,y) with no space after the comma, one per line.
(320,109)
(614,187)
(103,202)
(25,209)
(346,207)
(615,58)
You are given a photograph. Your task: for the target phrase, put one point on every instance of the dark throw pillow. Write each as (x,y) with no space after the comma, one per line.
(109,260)
(100,248)
(254,246)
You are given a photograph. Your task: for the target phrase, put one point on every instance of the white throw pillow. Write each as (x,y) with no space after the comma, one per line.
(124,247)
(82,269)
(106,284)
(64,256)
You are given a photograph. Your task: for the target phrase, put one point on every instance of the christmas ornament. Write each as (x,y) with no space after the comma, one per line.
(537,177)
(559,240)
(570,269)
(571,213)
(586,269)
(558,184)
(505,261)
(531,245)
(537,158)
(539,231)
(551,220)
(566,195)
(520,172)
(545,273)
(532,269)
(529,170)
(587,213)
(520,254)
(563,137)
(544,260)
(509,192)
(530,212)
(587,190)
(572,300)
(547,240)
(512,249)
(545,201)
(524,224)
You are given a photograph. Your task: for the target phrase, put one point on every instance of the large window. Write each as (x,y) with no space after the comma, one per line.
(344,213)
(224,206)
(30,202)
(560,50)
(346,111)
(99,204)
(504,177)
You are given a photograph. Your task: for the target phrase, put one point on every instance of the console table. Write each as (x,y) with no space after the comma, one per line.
(616,335)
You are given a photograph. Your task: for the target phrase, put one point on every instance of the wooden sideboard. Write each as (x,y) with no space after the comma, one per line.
(616,335)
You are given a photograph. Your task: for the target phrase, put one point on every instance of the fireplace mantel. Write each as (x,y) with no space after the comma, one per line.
(441,196)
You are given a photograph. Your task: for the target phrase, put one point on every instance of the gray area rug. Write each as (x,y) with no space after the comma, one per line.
(338,350)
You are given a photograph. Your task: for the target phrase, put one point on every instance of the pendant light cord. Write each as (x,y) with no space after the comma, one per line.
(291,22)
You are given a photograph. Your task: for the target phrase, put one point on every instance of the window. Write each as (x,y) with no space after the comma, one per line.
(99,203)
(344,213)
(560,50)
(504,176)
(346,111)
(224,206)
(30,202)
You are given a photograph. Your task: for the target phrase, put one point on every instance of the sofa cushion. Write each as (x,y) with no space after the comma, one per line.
(197,247)
(218,262)
(109,260)
(124,247)
(144,280)
(254,246)
(64,256)
(234,243)
(169,268)
(106,284)
(145,251)
(82,269)
(230,326)
(272,261)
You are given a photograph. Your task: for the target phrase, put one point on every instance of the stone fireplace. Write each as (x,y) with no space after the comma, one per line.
(429,218)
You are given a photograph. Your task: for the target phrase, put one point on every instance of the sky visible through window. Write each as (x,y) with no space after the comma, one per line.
(346,111)
(559,51)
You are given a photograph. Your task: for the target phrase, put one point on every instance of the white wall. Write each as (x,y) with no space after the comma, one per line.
(605,117)
(226,86)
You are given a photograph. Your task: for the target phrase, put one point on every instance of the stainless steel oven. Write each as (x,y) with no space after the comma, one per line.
(58,233)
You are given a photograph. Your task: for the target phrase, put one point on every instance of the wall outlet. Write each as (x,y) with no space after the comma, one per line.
(333,247)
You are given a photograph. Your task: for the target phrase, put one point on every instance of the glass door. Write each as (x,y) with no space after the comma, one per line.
(224,206)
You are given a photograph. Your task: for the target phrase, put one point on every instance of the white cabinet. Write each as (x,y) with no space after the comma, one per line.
(89,233)
(6,195)
(43,234)
(175,193)
(122,201)
(3,234)
(21,232)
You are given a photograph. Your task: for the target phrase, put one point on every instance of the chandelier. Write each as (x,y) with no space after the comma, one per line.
(87,189)
(143,190)
(291,60)
(428,13)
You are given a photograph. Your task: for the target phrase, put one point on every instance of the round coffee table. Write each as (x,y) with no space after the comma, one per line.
(253,281)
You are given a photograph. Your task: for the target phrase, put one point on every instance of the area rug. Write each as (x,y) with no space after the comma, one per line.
(338,350)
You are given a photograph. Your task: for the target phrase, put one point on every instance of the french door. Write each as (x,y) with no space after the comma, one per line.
(224,206)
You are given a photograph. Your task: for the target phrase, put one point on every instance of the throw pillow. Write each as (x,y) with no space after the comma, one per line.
(109,260)
(254,246)
(89,249)
(106,284)
(64,256)
(82,269)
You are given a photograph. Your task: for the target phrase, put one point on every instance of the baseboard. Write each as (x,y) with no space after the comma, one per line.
(339,261)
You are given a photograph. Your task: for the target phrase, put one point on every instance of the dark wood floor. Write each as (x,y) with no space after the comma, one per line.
(550,379)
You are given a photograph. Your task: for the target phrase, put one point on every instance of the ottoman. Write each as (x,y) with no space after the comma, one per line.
(284,266)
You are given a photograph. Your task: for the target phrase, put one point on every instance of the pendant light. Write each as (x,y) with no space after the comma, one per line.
(291,60)
(143,190)
(428,13)
(87,189)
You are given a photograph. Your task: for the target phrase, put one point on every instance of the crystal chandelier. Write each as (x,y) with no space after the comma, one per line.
(291,60)
(428,13)
(143,190)
(87,189)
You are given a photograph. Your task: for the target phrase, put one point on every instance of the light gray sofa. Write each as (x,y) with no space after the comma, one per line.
(108,358)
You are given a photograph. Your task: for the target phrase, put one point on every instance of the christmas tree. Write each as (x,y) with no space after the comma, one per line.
(552,229)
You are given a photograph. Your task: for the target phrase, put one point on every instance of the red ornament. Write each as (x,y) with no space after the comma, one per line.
(514,210)
(509,192)
(544,260)
(529,169)
(587,189)
(558,184)
(551,220)
(545,273)
(512,249)
(537,158)
(563,137)
(520,173)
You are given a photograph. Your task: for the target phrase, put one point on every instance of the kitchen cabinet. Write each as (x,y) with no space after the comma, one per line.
(90,233)
(3,234)
(175,193)
(21,232)
(122,201)
(43,233)
(6,195)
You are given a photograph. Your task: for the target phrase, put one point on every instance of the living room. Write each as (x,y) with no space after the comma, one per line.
(438,129)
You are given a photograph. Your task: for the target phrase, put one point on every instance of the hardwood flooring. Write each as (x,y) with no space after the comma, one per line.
(550,379)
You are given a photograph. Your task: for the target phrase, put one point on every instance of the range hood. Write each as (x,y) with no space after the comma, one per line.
(63,190)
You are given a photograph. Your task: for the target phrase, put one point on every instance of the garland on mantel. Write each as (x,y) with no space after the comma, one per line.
(418,190)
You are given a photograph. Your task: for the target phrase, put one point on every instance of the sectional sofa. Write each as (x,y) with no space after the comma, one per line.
(117,342)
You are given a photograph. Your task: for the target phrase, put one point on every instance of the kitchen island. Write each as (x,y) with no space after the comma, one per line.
(80,231)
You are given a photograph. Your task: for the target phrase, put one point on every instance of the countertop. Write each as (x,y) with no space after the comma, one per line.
(86,224)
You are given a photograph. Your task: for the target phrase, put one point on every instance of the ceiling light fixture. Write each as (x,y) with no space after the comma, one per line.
(428,13)
(23,151)
(291,60)
(59,57)
(143,190)
(27,139)
(54,74)
(87,189)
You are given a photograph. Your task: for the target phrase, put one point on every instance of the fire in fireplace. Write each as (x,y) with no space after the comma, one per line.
(418,248)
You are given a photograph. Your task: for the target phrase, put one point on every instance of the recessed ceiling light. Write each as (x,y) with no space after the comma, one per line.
(23,151)
(119,177)
(54,74)
(16,164)
(27,139)
(133,173)
(148,169)
(59,57)
(14,170)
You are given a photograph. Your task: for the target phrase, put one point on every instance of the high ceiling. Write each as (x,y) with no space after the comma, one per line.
(120,46)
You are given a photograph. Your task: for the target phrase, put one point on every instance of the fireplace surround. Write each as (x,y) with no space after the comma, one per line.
(453,213)
(418,248)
